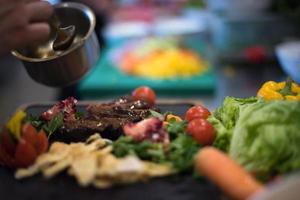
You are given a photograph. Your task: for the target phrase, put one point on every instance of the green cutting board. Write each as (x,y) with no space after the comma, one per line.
(105,81)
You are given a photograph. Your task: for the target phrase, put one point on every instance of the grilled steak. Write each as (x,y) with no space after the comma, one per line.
(106,119)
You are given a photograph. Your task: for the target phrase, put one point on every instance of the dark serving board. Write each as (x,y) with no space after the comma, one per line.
(63,187)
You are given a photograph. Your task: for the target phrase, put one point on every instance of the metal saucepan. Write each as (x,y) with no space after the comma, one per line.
(62,68)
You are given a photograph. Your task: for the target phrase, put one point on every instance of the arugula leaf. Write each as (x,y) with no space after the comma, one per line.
(56,123)
(49,127)
(180,154)
(182,151)
(148,150)
(123,146)
(79,115)
(35,121)
(145,150)
(174,128)
(155,114)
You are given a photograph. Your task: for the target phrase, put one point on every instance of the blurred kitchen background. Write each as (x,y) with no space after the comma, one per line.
(184,49)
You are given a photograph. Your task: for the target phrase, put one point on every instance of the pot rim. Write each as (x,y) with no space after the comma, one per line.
(79,44)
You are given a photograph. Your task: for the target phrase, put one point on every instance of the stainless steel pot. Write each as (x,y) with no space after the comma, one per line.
(59,69)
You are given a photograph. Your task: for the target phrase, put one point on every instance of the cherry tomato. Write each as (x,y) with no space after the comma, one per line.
(144,93)
(197,112)
(41,143)
(29,133)
(25,154)
(202,131)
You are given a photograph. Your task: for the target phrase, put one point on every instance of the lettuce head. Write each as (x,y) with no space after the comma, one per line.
(264,137)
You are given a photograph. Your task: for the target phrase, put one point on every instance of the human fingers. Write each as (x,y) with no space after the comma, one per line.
(8,5)
(5,7)
(22,15)
(39,11)
(30,36)
(17,18)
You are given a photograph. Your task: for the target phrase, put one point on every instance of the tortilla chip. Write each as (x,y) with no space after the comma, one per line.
(93,163)
(84,168)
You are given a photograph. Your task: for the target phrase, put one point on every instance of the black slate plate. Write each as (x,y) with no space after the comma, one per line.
(63,187)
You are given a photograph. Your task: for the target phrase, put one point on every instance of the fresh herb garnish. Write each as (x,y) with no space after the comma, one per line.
(180,152)
(174,128)
(35,121)
(79,115)
(56,123)
(155,114)
(49,127)
(145,150)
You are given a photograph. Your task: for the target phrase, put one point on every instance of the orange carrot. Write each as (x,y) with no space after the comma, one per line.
(226,173)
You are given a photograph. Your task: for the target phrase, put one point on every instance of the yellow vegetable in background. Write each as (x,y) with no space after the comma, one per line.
(170,64)
(279,91)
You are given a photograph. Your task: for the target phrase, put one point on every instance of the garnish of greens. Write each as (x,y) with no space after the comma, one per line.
(49,127)
(180,152)
(54,118)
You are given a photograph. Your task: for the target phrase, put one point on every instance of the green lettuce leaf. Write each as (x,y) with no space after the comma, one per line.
(266,138)
(224,120)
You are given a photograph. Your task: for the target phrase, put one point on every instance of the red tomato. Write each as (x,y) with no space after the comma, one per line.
(144,93)
(197,112)
(29,133)
(5,158)
(202,131)
(25,154)
(7,143)
(41,143)
(2,159)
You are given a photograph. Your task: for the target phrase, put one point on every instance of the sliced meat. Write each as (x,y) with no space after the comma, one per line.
(106,119)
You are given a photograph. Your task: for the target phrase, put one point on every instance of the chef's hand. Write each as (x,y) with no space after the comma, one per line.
(23,23)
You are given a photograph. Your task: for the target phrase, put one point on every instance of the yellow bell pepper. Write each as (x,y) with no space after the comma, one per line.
(279,91)
(15,123)
(295,88)
(170,116)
